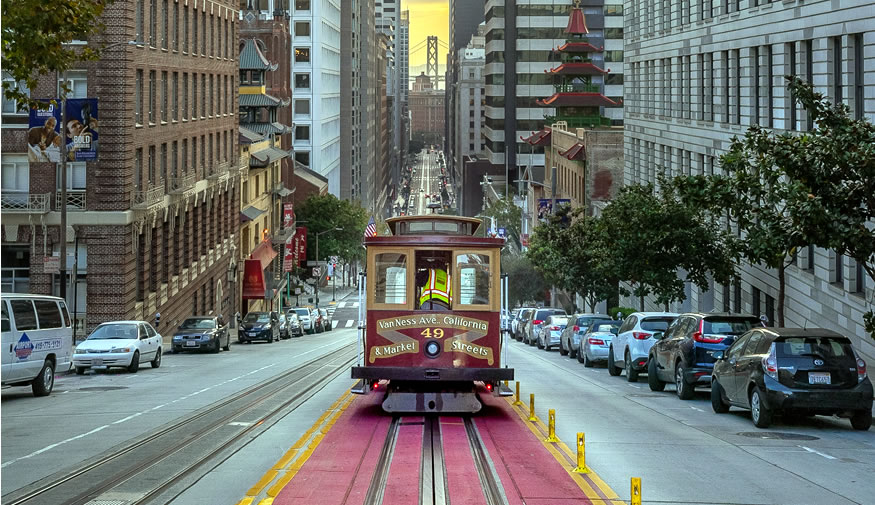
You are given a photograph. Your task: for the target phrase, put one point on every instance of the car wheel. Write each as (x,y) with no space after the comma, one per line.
(613,369)
(156,362)
(44,382)
(717,403)
(631,374)
(653,379)
(862,419)
(540,346)
(270,339)
(684,390)
(562,350)
(80,370)
(571,352)
(759,413)
(135,363)
(586,361)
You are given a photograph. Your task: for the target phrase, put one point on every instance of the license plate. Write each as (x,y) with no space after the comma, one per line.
(97,362)
(191,343)
(253,333)
(819,378)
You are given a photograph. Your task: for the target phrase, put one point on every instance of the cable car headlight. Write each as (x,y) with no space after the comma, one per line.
(432,349)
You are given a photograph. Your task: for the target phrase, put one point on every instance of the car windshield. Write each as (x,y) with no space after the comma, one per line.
(544,314)
(302,312)
(114,331)
(194,323)
(656,323)
(559,321)
(257,317)
(587,322)
(727,326)
(817,347)
(608,328)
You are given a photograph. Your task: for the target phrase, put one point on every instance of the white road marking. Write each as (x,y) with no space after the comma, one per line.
(239,423)
(634,386)
(354,305)
(50,447)
(349,322)
(809,449)
(697,408)
(340,305)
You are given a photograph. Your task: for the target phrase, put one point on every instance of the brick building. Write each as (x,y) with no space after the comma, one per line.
(427,111)
(150,225)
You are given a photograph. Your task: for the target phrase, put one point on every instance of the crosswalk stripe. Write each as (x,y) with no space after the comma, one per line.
(349,323)
(354,304)
(340,305)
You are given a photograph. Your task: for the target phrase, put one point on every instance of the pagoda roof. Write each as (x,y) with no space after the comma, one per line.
(267,128)
(539,138)
(578,47)
(251,58)
(577,152)
(262,100)
(578,100)
(576,68)
(576,20)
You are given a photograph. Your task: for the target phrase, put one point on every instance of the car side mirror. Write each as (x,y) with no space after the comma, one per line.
(718,355)
(657,335)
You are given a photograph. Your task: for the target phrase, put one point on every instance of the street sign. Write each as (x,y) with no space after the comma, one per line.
(502,232)
(334,260)
(316,272)
(297,291)
(51,264)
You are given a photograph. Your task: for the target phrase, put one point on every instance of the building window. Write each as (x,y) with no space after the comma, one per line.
(153,26)
(164,93)
(175,101)
(164,174)
(736,295)
(153,96)
(755,84)
(138,20)
(303,158)
(770,87)
(175,41)
(302,29)
(203,96)
(791,66)
(859,76)
(184,157)
(613,56)
(302,81)
(15,176)
(302,55)
(302,5)
(151,165)
(837,69)
(837,269)
(859,278)
(184,96)
(203,33)
(212,97)
(212,35)
(185,24)
(302,107)
(755,301)
(194,34)
(165,22)
(138,168)
(194,96)
(77,84)
(302,132)
(174,160)
(138,98)
(194,154)
(770,310)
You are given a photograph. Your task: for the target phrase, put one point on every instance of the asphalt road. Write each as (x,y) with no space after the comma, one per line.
(426,179)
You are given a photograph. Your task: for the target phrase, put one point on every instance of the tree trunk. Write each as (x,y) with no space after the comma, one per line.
(781,287)
(666,306)
(640,299)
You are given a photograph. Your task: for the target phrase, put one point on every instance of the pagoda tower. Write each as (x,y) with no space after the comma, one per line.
(577,100)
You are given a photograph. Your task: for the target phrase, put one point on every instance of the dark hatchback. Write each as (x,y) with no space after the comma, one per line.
(792,371)
(260,326)
(682,355)
(204,332)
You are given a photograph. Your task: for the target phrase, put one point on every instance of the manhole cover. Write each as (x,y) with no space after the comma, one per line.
(776,435)
(103,388)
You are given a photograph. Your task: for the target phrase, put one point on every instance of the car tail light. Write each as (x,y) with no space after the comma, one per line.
(699,336)
(537,321)
(770,363)
(488,386)
(641,335)
(861,369)
(576,328)
(596,341)
(555,328)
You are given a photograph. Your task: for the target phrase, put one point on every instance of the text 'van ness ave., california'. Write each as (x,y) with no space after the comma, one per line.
(452,321)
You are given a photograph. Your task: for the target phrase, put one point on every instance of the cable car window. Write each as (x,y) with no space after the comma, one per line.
(446,227)
(419,226)
(473,278)
(391,278)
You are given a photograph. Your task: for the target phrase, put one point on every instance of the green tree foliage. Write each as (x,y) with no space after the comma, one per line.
(326,212)
(588,258)
(508,216)
(34,38)
(526,284)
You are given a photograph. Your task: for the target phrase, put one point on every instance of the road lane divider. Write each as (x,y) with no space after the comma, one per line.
(282,472)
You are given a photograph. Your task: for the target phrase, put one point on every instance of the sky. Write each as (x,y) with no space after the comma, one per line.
(427,17)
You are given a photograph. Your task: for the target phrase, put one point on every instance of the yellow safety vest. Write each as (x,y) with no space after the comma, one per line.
(437,288)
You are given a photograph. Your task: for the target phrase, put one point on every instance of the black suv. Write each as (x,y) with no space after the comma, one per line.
(682,354)
(260,326)
(802,372)
(202,332)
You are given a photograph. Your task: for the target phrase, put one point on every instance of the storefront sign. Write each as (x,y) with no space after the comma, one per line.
(301,233)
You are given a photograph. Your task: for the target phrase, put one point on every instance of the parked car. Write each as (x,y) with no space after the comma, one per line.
(327,323)
(293,323)
(318,321)
(505,321)
(533,326)
(525,314)
(551,330)
(683,354)
(595,344)
(202,332)
(569,341)
(120,344)
(37,340)
(260,326)
(306,320)
(631,347)
(514,321)
(792,371)
(281,321)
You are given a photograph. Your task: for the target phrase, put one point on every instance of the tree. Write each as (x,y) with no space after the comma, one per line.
(326,212)
(548,252)
(507,215)
(525,283)
(34,38)
(588,259)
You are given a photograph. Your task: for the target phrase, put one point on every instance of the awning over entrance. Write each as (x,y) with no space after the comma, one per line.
(250,213)
(263,253)
(253,273)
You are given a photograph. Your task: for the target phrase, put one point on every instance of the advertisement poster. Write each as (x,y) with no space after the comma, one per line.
(545,208)
(301,233)
(288,215)
(44,134)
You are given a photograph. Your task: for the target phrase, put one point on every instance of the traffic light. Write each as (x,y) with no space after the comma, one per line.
(328,278)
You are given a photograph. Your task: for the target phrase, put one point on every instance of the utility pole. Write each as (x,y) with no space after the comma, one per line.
(62,235)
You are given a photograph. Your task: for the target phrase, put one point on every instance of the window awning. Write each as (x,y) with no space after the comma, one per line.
(264,253)
(250,213)
(577,152)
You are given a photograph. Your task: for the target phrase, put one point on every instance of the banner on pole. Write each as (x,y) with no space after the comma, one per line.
(288,215)
(45,132)
(289,255)
(301,233)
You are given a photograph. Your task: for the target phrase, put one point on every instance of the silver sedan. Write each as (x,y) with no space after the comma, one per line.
(596,343)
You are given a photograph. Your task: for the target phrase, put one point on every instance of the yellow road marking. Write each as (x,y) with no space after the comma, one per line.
(287,466)
(562,453)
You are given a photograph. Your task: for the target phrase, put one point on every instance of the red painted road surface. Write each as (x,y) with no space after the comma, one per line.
(340,469)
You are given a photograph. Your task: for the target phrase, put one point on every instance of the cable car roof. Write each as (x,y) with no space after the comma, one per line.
(418,225)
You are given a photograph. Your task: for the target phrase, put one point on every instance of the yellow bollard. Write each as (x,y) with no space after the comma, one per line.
(636,490)
(516,400)
(532,416)
(581,455)
(551,426)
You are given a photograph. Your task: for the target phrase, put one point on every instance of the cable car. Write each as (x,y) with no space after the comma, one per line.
(430,335)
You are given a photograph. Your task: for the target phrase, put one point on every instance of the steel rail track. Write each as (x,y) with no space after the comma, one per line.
(213,418)
(377,486)
(491,484)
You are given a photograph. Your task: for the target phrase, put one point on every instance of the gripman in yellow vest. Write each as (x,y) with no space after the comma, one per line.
(437,293)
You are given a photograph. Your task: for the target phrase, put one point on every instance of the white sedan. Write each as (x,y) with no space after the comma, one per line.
(123,344)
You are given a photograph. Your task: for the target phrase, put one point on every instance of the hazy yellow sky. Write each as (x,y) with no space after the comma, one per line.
(427,17)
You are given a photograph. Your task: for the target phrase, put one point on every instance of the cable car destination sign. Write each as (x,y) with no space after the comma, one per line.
(459,334)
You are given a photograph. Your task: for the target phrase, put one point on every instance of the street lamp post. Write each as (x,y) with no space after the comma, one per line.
(318,278)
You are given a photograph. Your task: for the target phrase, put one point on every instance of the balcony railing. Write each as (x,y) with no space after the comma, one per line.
(25,202)
(75,199)
(577,88)
(179,185)
(143,199)
(580,121)
(280,236)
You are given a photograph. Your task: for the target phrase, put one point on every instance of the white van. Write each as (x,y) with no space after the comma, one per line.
(37,340)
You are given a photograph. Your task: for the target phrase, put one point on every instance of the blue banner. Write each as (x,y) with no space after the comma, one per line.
(45,134)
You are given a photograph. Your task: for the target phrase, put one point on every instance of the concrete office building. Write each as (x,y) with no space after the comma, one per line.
(465,19)
(516,79)
(316,77)
(468,102)
(698,77)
